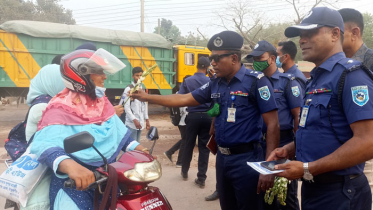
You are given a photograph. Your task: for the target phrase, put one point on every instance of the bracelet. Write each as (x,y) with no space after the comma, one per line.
(145,149)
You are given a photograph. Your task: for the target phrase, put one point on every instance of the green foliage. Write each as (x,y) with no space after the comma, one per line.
(41,10)
(279,189)
(368,29)
(168,30)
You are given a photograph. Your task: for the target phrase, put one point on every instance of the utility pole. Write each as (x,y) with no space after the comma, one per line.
(142,15)
(159,26)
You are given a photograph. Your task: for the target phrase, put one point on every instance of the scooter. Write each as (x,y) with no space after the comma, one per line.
(133,172)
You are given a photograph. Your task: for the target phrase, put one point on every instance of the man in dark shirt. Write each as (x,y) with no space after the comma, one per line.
(353,44)
(286,52)
(197,124)
(354,47)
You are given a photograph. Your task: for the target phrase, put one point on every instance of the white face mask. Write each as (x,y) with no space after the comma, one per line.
(100,91)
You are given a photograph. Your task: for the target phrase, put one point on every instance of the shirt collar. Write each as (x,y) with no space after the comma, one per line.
(199,74)
(362,50)
(276,75)
(330,62)
(241,73)
(292,69)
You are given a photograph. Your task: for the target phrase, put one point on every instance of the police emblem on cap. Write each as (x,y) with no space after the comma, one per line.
(256,46)
(360,95)
(295,91)
(218,42)
(308,15)
(264,93)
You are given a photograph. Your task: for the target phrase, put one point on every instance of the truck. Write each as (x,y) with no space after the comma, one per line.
(26,46)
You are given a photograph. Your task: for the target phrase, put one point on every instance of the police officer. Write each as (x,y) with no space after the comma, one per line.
(289,97)
(335,132)
(286,52)
(198,123)
(240,98)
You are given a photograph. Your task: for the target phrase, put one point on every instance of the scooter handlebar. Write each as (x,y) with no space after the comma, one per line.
(70,183)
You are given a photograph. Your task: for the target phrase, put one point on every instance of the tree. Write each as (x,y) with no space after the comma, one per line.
(239,17)
(302,9)
(368,30)
(168,30)
(41,10)
(192,39)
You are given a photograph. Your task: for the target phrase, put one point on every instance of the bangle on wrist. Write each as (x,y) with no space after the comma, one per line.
(145,149)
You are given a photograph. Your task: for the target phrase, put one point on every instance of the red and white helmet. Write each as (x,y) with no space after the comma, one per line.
(77,66)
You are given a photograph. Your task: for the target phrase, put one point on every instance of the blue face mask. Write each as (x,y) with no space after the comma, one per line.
(278,63)
(100,92)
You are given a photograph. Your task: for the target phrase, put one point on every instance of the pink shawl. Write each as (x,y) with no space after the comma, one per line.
(72,108)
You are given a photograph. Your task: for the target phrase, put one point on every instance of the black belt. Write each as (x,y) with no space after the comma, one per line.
(330,178)
(284,133)
(288,132)
(243,148)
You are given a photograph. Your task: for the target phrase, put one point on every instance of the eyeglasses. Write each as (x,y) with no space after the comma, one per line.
(217,57)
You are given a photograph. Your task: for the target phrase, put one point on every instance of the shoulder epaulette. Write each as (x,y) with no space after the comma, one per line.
(256,74)
(348,64)
(288,76)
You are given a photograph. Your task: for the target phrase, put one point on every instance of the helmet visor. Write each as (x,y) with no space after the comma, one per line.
(102,62)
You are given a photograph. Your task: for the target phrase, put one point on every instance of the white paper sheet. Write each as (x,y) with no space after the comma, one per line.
(257,167)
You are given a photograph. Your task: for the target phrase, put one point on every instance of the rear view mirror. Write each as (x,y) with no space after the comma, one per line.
(77,142)
(152,134)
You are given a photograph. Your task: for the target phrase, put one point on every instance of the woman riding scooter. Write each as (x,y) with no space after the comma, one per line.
(82,106)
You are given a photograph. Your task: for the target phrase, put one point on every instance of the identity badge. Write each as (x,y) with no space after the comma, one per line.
(231,115)
(304,114)
(215,95)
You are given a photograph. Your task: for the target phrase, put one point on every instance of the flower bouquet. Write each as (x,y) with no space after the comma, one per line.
(280,189)
(139,81)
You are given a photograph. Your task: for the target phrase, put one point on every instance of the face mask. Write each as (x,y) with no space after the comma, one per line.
(261,65)
(100,92)
(278,63)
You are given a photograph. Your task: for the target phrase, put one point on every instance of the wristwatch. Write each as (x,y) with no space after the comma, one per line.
(307,175)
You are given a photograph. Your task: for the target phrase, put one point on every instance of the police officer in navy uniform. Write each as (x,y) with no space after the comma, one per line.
(198,123)
(334,137)
(241,99)
(288,93)
(286,52)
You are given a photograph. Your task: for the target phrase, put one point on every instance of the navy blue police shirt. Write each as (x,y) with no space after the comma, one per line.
(289,95)
(299,75)
(192,83)
(316,139)
(248,122)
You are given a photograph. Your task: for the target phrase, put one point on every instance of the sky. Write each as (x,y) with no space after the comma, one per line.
(188,15)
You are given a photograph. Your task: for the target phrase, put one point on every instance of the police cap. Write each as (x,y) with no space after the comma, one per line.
(226,40)
(260,48)
(318,17)
(203,62)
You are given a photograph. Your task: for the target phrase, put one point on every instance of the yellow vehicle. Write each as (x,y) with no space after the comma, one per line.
(186,60)
(26,46)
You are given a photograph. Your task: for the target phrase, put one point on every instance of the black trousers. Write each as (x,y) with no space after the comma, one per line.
(197,124)
(179,145)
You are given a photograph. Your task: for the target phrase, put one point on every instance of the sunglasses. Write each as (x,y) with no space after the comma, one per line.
(217,57)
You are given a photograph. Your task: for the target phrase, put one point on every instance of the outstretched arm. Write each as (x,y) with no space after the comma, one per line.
(174,100)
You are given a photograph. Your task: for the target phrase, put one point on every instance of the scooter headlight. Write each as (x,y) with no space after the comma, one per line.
(145,172)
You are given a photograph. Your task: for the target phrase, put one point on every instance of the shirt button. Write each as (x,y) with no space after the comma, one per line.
(349,191)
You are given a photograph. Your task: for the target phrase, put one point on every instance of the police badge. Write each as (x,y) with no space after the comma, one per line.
(264,93)
(295,91)
(218,42)
(360,95)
